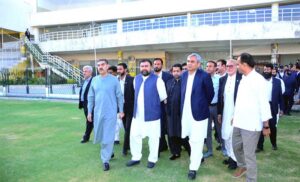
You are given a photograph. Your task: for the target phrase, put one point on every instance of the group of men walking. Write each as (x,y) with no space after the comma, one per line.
(242,105)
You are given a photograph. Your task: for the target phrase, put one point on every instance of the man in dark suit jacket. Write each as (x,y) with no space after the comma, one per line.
(276,99)
(225,121)
(83,101)
(165,76)
(126,82)
(197,93)
(290,89)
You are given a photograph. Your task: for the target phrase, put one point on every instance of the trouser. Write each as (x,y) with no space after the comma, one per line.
(197,144)
(136,142)
(273,135)
(175,144)
(244,144)
(119,125)
(106,152)
(127,124)
(229,148)
(288,103)
(213,118)
(89,126)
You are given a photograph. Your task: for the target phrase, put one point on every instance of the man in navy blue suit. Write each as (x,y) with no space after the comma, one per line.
(197,93)
(276,102)
(165,76)
(290,89)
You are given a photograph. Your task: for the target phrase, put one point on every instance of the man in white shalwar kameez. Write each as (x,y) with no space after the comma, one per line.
(196,94)
(227,96)
(150,91)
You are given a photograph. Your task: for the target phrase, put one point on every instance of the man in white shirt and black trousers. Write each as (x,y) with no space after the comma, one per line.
(251,116)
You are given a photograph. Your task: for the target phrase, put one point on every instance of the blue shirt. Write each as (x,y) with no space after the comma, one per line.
(215,79)
(84,87)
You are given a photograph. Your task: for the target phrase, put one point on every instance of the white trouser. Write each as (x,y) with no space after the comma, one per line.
(197,135)
(119,125)
(229,148)
(140,130)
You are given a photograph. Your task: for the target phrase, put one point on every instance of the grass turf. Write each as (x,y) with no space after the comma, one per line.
(40,141)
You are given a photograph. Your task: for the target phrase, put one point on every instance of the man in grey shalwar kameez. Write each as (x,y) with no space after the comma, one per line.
(105,97)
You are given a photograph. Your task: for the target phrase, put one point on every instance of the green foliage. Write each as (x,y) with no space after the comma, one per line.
(71,81)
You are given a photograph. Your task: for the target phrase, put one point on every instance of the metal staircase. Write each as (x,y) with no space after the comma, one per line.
(56,63)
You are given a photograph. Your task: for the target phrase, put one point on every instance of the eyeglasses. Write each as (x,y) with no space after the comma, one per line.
(229,66)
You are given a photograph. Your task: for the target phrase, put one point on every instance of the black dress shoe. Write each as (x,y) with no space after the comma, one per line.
(132,163)
(117,142)
(192,175)
(84,141)
(150,165)
(232,165)
(105,166)
(174,156)
(226,161)
(274,147)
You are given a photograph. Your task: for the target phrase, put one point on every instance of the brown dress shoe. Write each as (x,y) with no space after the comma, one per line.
(239,172)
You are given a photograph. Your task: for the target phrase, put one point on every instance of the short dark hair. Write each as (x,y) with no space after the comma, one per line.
(223,62)
(177,66)
(213,62)
(105,60)
(248,59)
(269,65)
(113,68)
(124,65)
(183,64)
(158,59)
(146,60)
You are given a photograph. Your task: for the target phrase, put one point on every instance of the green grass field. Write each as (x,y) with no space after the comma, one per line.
(40,141)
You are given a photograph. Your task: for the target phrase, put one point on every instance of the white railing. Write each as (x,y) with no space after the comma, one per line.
(10,54)
(201,19)
(109,28)
(58,64)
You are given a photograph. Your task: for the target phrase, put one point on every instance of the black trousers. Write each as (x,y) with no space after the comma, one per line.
(127,124)
(288,101)
(273,135)
(89,126)
(175,144)
(163,131)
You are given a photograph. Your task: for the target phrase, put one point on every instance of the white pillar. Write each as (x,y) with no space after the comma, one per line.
(119,26)
(189,19)
(36,33)
(275,12)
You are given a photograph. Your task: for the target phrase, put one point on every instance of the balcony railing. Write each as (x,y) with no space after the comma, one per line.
(215,18)
(108,28)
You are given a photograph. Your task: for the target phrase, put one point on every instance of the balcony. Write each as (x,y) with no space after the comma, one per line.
(216,26)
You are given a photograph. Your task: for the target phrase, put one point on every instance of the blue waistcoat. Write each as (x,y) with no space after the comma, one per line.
(151,97)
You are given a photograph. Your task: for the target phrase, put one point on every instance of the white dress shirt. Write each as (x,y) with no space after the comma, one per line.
(252,106)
